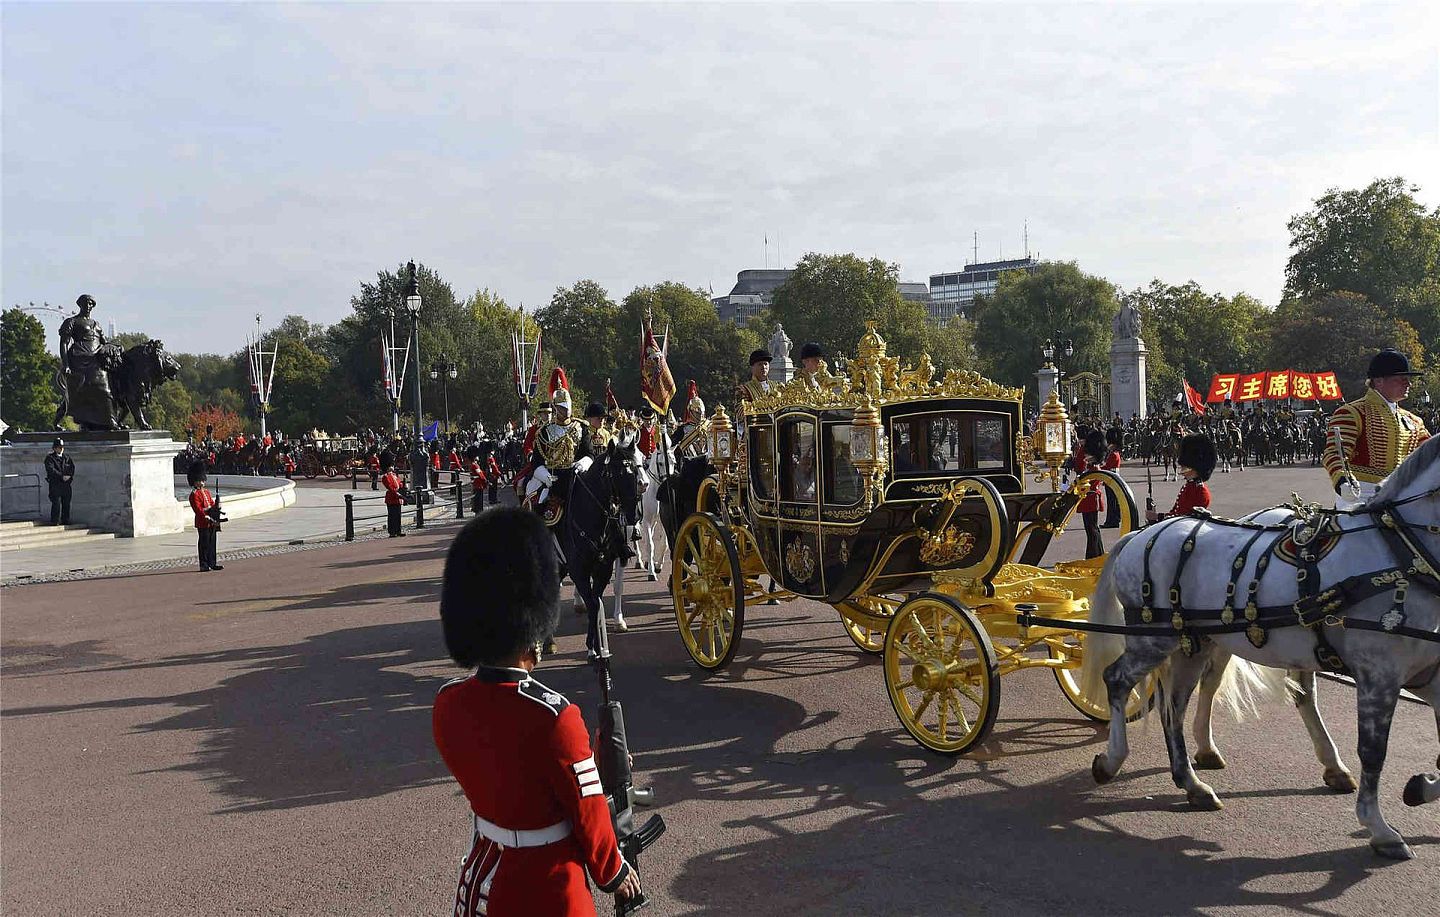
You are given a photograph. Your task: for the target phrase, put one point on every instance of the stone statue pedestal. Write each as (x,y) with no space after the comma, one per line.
(124,480)
(1046,380)
(781,369)
(1127,377)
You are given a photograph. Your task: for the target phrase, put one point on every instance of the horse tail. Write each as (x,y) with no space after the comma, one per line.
(1102,649)
(1244,686)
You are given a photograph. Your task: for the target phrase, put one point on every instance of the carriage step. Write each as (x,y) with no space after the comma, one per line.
(21,536)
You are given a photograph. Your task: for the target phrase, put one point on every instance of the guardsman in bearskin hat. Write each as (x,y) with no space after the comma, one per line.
(478,481)
(559,445)
(1375,433)
(1114,442)
(759,381)
(1197,460)
(1092,453)
(207,517)
(394,494)
(520,751)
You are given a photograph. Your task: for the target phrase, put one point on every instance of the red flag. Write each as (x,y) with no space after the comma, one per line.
(1327,388)
(1192,397)
(1277,385)
(1222,386)
(385,366)
(611,402)
(656,383)
(1251,387)
(1302,385)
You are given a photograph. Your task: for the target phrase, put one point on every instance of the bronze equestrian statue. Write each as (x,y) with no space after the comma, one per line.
(97,383)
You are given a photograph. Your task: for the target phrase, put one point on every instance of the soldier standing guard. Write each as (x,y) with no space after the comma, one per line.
(1375,434)
(207,518)
(1197,460)
(59,473)
(394,499)
(520,751)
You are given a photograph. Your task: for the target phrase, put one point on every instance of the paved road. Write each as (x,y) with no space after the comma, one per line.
(257,741)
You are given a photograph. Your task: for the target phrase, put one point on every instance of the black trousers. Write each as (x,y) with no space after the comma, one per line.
(1094,547)
(60,504)
(494,494)
(392,518)
(206,547)
(477,502)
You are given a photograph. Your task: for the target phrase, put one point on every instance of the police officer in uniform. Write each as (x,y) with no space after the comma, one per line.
(1375,433)
(59,474)
(519,750)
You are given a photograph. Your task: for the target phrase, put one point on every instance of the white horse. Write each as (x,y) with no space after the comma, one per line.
(651,531)
(1381,576)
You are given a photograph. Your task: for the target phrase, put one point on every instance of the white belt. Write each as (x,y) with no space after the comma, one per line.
(508,838)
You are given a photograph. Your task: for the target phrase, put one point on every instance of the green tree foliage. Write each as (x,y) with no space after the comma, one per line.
(301,381)
(952,346)
(829,299)
(1378,241)
(170,408)
(486,386)
(583,333)
(1340,332)
(1012,323)
(1192,334)
(27,400)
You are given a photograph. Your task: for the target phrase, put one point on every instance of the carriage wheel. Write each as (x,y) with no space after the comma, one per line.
(868,639)
(309,466)
(708,590)
(940,673)
(1070,648)
(864,626)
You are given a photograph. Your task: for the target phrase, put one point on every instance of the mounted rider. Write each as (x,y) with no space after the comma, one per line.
(1375,434)
(562,448)
(694,417)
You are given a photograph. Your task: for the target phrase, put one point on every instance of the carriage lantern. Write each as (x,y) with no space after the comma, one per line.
(722,440)
(867,447)
(1052,438)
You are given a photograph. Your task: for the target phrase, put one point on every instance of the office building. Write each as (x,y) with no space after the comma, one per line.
(952,294)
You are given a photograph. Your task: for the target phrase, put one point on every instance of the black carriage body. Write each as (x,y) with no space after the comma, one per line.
(806,504)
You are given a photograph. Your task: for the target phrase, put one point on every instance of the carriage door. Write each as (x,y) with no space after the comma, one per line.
(797,459)
(841,510)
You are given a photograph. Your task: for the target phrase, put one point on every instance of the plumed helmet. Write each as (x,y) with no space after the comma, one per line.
(760,356)
(810,349)
(559,390)
(196,473)
(1389,362)
(594,409)
(694,406)
(1198,452)
(1095,445)
(501,590)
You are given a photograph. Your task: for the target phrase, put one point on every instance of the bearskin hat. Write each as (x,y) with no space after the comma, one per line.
(196,474)
(1115,437)
(501,590)
(1197,452)
(1095,446)
(387,460)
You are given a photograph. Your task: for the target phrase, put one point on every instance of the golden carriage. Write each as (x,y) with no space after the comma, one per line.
(899,499)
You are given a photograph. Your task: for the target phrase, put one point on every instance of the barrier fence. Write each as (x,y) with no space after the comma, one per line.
(446,499)
(13,483)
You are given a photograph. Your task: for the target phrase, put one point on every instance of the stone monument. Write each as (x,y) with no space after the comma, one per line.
(1127,364)
(124,479)
(781,369)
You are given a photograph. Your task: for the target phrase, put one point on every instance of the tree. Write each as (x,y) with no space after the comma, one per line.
(27,400)
(1012,323)
(301,387)
(171,408)
(226,422)
(1192,335)
(952,346)
(829,299)
(1378,241)
(583,334)
(1340,332)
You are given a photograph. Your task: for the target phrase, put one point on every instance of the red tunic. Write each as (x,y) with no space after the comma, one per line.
(392,489)
(522,755)
(374,462)
(494,470)
(435,460)
(477,477)
(1193,495)
(455,464)
(200,501)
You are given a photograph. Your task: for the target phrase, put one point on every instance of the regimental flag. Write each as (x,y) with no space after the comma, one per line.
(1222,386)
(385,365)
(656,383)
(1327,388)
(1192,397)
(611,402)
(1302,386)
(1277,385)
(1250,387)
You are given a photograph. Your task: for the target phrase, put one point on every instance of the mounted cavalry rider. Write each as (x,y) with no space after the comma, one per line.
(694,417)
(1375,433)
(562,446)
(599,431)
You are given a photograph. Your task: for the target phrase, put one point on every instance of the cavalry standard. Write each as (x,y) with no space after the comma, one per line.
(899,499)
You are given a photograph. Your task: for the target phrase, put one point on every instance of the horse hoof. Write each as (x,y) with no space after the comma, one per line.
(620,624)
(1099,772)
(1394,850)
(1339,780)
(1210,761)
(653,577)
(1204,800)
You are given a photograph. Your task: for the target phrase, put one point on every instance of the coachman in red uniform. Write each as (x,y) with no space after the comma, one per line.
(519,750)
(1197,460)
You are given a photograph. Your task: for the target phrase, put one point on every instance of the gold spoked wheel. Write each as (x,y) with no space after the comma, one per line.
(708,591)
(867,638)
(940,673)
(1070,648)
(865,618)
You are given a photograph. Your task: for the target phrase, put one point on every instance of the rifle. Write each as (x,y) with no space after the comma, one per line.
(215,512)
(613,760)
(1149,490)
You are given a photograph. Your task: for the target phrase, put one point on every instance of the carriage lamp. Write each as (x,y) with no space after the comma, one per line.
(867,448)
(1052,439)
(722,439)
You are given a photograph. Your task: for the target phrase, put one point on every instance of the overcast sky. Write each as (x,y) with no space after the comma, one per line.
(190,165)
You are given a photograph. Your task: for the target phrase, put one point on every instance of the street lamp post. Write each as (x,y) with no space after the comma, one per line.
(419,468)
(445,369)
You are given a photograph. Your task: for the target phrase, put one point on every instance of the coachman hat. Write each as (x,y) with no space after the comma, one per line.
(1389,362)
(760,356)
(594,409)
(811,349)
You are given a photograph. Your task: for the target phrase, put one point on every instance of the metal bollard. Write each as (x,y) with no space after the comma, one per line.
(354,479)
(459,502)
(420,509)
(349,517)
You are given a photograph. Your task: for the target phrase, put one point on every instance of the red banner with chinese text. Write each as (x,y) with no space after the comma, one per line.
(1327,388)
(1250,387)
(1222,386)
(1277,385)
(1302,386)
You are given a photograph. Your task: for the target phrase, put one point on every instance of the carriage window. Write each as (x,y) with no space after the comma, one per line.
(948,443)
(797,461)
(842,481)
(761,445)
